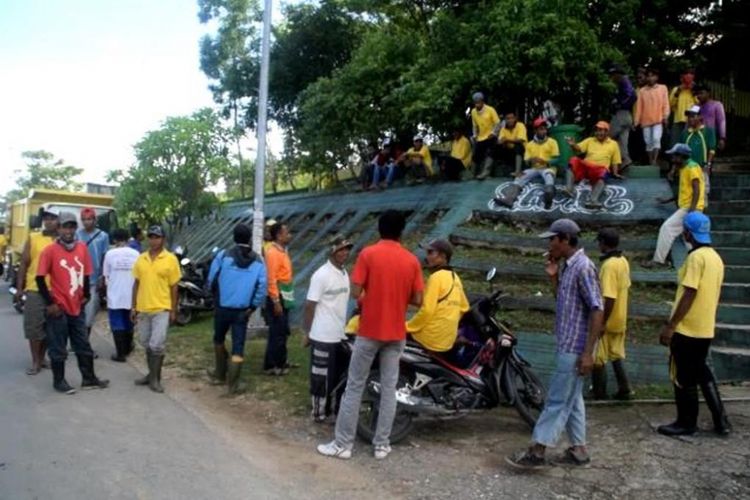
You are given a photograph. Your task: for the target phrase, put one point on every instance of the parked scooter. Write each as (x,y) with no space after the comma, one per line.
(193,293)
(481,372)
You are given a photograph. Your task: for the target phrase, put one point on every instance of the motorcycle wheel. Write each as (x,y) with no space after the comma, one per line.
(523,387)
(18,306)
(369,410)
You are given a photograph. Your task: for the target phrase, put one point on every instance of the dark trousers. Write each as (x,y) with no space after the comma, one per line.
(236,319)
(507,156)
(65,327)
(278,331)
(328,364)
(451,168)
(482,150)
(689,357)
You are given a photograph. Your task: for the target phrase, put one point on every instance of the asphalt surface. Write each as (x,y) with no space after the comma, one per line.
(124,442)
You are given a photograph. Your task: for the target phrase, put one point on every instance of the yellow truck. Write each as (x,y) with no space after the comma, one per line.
(24,216)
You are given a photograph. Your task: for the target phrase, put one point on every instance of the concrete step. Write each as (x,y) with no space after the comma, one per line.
(724,180)
(737,293)
(731,222)
(730,238)
(737,274)
(731,363)
(734,256)
(729,193)
(643,172)
(738,207)
(730,335)
(732,312)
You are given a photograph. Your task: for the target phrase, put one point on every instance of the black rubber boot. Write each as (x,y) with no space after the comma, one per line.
(549,196)
(686,400)
(599,382)
(486,169)
(145,379)
(119,337)
(624,392)
(233,378)
(154,380)
(511,193)
(58,378)
(89,379)
(219,374)
(128,342)
(710,391)
(594,200)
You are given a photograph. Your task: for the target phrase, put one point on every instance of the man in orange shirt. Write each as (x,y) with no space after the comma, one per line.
(280,299)
(386,279)
(652,112)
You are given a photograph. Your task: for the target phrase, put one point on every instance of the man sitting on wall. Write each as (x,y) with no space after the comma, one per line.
(512,140)
(602,160)
(417,160)
(453,166)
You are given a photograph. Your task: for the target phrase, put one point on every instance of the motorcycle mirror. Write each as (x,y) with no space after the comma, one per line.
(178,250)
(491,274)
(215,250)
(185,261)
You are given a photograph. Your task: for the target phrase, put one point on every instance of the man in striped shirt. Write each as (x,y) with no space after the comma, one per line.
(578,325)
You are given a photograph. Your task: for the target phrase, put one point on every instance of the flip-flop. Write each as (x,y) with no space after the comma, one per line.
(33,371)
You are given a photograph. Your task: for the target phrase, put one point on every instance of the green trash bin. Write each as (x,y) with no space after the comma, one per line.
(560,133)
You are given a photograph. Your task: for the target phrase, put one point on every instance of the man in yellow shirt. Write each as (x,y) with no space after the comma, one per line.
(681,99)
(689,331)
(512,140)
(435,325)
(453,166)
(541,156)
(417,160)
(614,277)
(35,307)
(602,160)
(691,197)
(156,274)
(486,126)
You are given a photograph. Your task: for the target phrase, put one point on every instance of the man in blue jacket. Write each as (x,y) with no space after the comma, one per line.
(238,279)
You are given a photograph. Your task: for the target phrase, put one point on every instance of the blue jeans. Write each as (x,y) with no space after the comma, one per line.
(61,328)
(564,408)
(386,170)
(236,319)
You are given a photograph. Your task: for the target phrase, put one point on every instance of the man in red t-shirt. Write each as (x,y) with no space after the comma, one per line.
(67,265)
(386,279)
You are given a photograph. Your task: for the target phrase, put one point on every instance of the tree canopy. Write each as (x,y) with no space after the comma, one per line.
(43,170)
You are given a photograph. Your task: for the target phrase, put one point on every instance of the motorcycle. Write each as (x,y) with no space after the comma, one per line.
(485,371)
(193,295)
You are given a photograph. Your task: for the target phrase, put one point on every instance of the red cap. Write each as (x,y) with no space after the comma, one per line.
(87,213)
(540,122)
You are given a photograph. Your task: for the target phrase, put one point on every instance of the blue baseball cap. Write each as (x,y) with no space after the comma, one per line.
(680,149)
(699,226)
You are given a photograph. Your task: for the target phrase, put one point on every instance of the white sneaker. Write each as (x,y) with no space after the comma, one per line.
(382,451)
(332,449)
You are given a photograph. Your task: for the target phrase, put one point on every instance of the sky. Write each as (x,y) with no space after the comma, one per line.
(86,79)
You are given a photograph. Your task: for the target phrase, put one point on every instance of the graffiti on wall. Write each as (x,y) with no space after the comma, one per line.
(615,200)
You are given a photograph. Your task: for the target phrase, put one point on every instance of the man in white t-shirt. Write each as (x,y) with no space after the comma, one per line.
(323,322)
(118,273)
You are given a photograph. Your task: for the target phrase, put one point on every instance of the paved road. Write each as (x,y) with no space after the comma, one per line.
(121,443)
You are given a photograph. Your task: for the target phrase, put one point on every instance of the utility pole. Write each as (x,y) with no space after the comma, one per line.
(260,162)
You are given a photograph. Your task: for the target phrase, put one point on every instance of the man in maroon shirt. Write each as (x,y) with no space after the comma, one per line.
(67,265)
(386,279)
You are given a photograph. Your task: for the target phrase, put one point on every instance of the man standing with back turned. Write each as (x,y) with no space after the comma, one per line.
(386,278)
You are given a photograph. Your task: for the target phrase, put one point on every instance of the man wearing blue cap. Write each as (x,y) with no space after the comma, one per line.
(691,197)
(689,331)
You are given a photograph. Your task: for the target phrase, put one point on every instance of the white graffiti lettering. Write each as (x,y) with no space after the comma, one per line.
(614,200)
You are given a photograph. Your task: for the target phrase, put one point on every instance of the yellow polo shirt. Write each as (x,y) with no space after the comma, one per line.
(606,153)
(517,133)
(691,171)
(156,277)
(546,151)
(435,325)
(461,150)
(681,103)
(484,122)
(425,154)
(37,243)
(615,280)
(703,270)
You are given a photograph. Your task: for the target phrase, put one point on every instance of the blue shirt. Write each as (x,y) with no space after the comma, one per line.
(626,96)
(97,243)
(242,281)
(578,293)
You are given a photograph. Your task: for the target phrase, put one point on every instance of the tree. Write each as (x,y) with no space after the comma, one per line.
(175,167)
(43,171)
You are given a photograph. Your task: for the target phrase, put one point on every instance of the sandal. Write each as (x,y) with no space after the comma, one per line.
(33,370)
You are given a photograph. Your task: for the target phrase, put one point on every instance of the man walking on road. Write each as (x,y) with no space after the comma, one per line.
(118,275)
(386,279)
(689,331)
(323,323)
(280,299)
(154,307)
(238,279)
(67,265)
(34,307)
(577,327)
(97,243)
